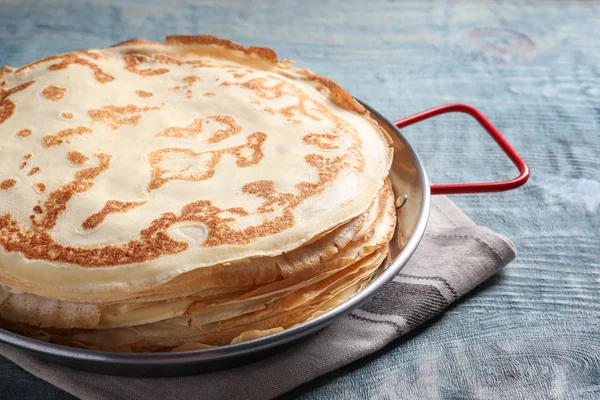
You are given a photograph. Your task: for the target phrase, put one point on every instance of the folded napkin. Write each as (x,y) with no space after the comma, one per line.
(454,257)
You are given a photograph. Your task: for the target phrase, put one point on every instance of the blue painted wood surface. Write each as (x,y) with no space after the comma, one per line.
(532,67)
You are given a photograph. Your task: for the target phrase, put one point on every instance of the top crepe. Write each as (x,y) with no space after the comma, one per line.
(124,167)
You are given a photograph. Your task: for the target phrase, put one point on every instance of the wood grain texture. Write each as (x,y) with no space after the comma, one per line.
(532,67)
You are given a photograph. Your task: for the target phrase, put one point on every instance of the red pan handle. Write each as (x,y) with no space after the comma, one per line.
(497,136)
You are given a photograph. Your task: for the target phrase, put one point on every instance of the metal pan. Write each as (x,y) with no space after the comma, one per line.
(413,194)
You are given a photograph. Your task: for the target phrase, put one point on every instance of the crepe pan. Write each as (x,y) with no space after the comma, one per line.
(413,194)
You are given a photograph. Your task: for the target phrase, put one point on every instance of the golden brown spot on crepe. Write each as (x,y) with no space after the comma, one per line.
(190,131)
(37,243)
(199,125)
(238,210)
(115,116)
(201,166)
(110,207)
(261,87)
(7,184)
(27,156)
(93,172)
(33,171)
(165,59)
(37,209)
(189,82)
(54,93)
(236,72)
(57,200)
(58,138)
(132,62)
(144,94)
(304,106)
(24,133)
(209,94)
(39,187)
(23,165)
(233,128)
(7,106)
(267,190)
(321,140)
(328,169)
(297,109)
(220,233)
(92,54)
(67,115)
(77,158)
(66,60)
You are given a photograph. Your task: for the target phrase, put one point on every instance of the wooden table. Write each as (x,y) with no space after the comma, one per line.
(533,67)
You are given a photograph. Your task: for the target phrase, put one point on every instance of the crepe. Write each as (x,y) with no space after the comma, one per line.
(185,184)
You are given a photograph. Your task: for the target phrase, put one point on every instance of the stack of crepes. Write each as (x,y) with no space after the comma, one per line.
(175,196)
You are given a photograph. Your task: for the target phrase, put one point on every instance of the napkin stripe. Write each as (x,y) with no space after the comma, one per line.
(386,322)
(432,278)
(416,303)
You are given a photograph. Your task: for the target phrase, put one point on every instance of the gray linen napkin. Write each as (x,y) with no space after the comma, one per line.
(454,257)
